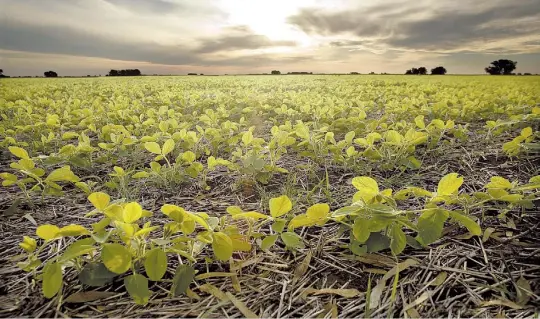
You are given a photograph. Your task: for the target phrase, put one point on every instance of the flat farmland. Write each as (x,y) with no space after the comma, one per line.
(269,196)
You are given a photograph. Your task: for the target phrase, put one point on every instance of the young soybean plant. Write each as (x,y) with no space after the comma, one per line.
(280,217)
(34,177)
(376,221)
(115,245)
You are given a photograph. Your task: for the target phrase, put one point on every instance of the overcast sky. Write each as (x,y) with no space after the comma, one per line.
(78,37)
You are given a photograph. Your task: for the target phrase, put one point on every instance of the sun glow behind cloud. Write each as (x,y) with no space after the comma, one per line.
(269,18)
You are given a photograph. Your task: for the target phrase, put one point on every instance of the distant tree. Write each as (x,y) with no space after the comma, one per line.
(2,74)
(502,66)
(422,70)
(275,72)
(440,70)
(372,72)
(201,74)
(192,74)
(408,72)
(414,71)
(527,73)
(50,74)
(127,72)
(354,73)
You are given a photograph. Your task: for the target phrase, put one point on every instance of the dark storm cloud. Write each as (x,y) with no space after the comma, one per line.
(426,27)
(60,40)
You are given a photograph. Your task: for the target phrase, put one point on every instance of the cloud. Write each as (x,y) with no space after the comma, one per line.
(242,38)
(347,43)
(435,26)
(58,40)
(153,6)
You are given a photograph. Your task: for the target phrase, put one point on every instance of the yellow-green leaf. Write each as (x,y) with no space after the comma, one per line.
(361,229)
(142,174)
(198,219)
(247,138)
(114,212)
(449,184)
(280,206)
(397,239)
(250,215)
(78,248)
(367,187)
(189,157)
(100,200)
(466,221)
(318,211)
(132,212)
(430,225)
(268,241)
(101,225)
(222,246)
(419,121)
(145,230)
(116,258)
(73,230)
(28,244)
(137,287)
(292,240)
(168,146)
(62,174)
(240,242)
(205,237)
(52,279)
(300,221)
(499,182)
(155,264)
(526,132)
(233,210)
(176,213)
(153,147)
(47,231)
(128,229)
(19,152)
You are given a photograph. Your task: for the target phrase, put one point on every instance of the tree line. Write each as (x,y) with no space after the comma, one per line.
(498,67)
(440,70)
(127,72)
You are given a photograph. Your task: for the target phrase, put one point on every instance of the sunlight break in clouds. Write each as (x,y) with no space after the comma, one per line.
(249,36)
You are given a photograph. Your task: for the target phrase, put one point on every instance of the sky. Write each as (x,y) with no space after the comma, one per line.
(79,37)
